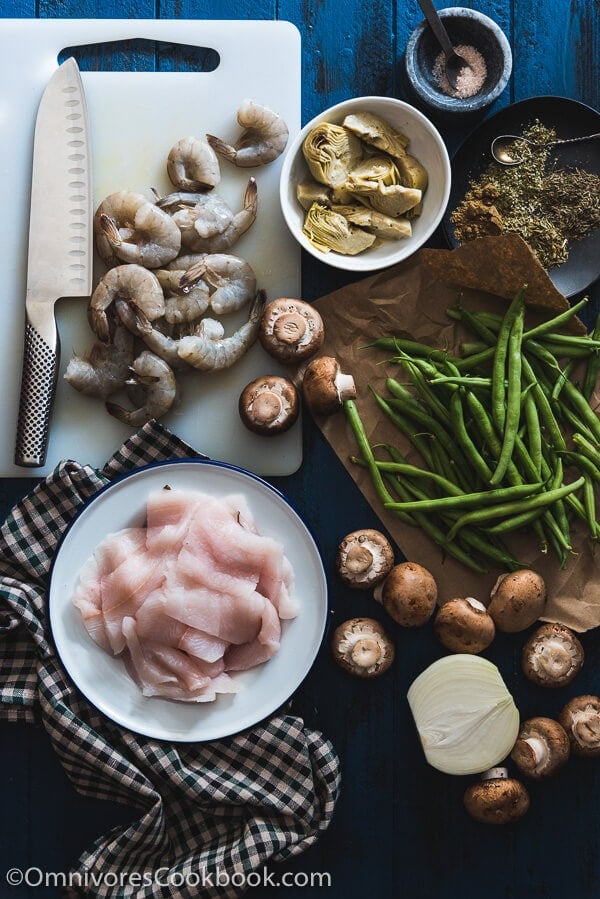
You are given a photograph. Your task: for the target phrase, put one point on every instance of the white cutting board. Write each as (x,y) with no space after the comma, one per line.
(135,118)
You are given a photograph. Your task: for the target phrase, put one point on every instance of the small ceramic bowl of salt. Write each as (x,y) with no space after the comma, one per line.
(481,43)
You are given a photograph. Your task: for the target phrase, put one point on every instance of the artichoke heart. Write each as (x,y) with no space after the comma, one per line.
(392,200)
(381,225)
(412,173)
(376,132)
(309,192)
(370,173)
(328,230)
(331,152)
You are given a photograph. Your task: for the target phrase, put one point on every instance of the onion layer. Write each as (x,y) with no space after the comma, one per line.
(465,716)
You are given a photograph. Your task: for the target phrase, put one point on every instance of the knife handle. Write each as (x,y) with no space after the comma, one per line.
(38,386)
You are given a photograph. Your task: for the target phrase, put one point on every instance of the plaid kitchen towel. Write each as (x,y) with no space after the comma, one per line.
(210,813)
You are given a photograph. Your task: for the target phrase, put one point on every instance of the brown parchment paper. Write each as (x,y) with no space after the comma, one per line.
(410,300)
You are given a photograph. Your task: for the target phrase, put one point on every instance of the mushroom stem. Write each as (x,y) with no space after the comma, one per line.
(586,726)
(554,658)
(290,328)
(366,653)
(535,749)
(359,559)
(345,386)
(495,774)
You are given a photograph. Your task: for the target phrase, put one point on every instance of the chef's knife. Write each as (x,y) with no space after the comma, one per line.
(59,262)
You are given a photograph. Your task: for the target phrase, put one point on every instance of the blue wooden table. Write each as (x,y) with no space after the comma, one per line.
(400,828)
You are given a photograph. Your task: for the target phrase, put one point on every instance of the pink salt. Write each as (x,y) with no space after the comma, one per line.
(470,78)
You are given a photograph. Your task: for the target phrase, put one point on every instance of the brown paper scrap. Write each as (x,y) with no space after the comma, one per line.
(410,300)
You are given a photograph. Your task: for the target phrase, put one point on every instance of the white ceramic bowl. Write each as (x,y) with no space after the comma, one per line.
(425,143)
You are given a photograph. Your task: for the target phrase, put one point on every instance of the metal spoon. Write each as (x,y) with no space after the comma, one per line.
(501,146)
(454,61)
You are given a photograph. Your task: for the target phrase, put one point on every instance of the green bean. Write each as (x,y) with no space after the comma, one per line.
(534,434)
(543,405)
(511,417)
(587,448)
(473,323)
(467,381)
(466,500)
(395,344)
(556,322)
(416,412)
(413,471)
(500,361)
(364,446)
(593,368)
(427,394)
(405,426)
(539,501)
(560,381)
(589,504)
(439,537)
(584,464)
(471,452)
(485,426)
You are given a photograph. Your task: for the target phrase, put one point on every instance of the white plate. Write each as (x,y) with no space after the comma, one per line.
(104,680)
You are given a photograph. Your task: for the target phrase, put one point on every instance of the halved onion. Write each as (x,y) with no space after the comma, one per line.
(465,716)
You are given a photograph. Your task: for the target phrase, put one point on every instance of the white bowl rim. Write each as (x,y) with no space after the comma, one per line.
(362,262)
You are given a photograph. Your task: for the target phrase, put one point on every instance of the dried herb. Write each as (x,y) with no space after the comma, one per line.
(547,207)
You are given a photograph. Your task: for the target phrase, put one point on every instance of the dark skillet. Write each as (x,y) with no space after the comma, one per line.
(570,119)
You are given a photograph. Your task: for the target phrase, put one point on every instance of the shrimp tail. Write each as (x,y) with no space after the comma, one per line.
(221,148)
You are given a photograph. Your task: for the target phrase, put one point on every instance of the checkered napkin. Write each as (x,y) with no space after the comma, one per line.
(207,811)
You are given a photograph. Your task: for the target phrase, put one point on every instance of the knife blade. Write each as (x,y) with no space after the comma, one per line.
(60,260)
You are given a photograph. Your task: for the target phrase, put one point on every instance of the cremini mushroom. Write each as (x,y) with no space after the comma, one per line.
(517,600)
(408,594)
(269,405)
(364,558)
(581,719)
(552,656)
(362,647)
(325,387)
(463,625)
(291,330)
(496,798)
(542,747)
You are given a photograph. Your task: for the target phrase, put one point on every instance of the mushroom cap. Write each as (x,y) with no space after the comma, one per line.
(269,405)
(362,647)
(580,718)
(496,799)
(517,600)
(408,594)
(552,656)
(542,747)
(325,386)
(291,330)
(364,558)
(463,625)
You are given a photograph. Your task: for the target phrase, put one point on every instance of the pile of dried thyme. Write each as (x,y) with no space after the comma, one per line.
(547,207)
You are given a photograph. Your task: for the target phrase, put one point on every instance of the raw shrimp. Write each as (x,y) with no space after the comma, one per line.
(158,380)
(130,228)
(231,277)
(160,343)
(211,227)
(209,350)
(193,165)
(264,137)
(182,305)
(127,282)
(105,368)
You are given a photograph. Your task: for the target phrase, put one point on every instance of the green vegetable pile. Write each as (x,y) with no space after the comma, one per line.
(507,437)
